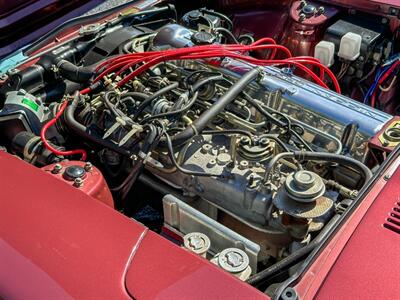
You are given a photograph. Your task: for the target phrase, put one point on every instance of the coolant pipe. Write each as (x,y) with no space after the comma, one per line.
(206,117)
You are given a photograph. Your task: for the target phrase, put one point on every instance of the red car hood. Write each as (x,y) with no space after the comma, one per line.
(361,261)
(58,243)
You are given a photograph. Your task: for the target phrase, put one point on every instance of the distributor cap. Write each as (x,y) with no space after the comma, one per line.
(203,38)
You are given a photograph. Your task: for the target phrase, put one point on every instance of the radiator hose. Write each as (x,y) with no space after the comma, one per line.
(72,72)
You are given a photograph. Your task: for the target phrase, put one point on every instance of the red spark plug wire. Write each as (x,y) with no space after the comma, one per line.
(50,147)
(214,54)
(231,47)
(118,65)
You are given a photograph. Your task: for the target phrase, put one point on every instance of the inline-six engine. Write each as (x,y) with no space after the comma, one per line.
(254,158)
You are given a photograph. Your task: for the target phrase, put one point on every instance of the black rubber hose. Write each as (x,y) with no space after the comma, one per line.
(82,131)
(206,117)
(74,73)
(276,140)
(205,81)
(87,19)
(294,258)
(175,112)
(321,156)
(273,119)
(265,113)
(148,143)
(227,132)
(157,94)
(227,34)
(111,106)
(217,14)
(140,95)
(131,96)
(183,109)
(336,158)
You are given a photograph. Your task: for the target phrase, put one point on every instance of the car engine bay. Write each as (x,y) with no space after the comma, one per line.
(239,145)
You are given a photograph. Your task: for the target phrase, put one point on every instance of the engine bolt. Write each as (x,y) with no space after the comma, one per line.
(222,150)
(302,4)
(264,142)
(302,17)
(78,182)
(243,165)
(321,10)
(88,166)
(244,140)
(211,163)
(205,148)
(57,169)
(197,242)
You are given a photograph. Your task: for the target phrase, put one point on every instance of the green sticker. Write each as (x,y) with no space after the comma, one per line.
(30,103)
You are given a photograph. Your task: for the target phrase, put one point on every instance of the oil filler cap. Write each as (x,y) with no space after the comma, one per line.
(73,172)
(203,38)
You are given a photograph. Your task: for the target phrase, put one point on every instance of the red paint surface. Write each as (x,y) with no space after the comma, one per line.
(170,272)
(94,183)
(58,243)
(301,37)
(361,261)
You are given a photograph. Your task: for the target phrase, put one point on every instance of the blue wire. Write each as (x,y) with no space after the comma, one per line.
(389,62)
(378,76)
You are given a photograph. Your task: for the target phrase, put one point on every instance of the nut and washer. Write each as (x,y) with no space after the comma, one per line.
(78,182)
(88,166)
(233,260)
(197,242)
(57,169)
(243,165)
(206,148)
(212,163)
